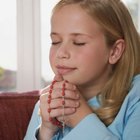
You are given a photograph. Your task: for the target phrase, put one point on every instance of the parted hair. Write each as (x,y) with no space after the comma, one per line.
(116,23)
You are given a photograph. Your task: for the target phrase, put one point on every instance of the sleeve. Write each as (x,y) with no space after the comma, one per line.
(33,124)
(90,128)
(132,128)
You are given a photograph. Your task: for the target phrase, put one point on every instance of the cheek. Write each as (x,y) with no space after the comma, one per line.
(52,57)
(86,56)
(93,58)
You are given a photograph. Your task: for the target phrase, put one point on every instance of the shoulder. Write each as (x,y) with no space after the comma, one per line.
(136,81)
(130,105)
(133,98)
(134,93)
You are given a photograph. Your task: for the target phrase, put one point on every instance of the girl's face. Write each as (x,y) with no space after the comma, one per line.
(79,51)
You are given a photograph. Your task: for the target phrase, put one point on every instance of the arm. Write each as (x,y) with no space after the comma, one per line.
(33,124)
(125,127)
(86,125)
(132,128)
(90,128)
(36,129)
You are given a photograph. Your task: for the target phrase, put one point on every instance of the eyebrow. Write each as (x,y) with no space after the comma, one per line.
(74,34)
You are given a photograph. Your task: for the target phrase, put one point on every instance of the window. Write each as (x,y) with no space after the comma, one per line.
(20,44)
(28,44)
(8,46)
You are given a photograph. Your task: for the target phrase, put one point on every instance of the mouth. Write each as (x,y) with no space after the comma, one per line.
(63,70)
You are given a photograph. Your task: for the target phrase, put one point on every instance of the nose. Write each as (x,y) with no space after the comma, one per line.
(63,52)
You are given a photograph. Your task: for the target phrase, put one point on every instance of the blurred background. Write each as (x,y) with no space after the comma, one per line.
(25,42)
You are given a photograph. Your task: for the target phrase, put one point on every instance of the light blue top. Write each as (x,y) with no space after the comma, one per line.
(126,125)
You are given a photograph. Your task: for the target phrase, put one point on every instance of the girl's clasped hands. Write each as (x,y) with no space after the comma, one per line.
(62,104)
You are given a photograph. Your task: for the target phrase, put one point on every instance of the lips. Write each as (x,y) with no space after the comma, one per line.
(64,70)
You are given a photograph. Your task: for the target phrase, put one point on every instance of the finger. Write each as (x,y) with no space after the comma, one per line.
(44,90)
(57,93)
(64,118)
(68,86)
(61,112)
(44,106)
(58,77)
(44,101)
(57,103)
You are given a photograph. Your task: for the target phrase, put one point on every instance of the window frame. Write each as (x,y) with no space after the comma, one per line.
(28,45)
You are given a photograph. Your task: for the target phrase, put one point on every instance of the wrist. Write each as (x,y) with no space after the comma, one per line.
(81,112)
(46,133)
(80,117)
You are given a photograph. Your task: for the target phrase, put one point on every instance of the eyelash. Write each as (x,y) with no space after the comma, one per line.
(55,43)
(78,44)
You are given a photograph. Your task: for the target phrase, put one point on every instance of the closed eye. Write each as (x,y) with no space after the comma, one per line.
(79,44)
(55,43)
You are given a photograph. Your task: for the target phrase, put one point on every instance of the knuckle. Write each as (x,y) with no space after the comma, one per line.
(44,90)
(43,97)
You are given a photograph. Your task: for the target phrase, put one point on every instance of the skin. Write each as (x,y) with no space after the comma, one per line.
(79,54)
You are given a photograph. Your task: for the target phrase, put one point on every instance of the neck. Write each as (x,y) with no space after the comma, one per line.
(89,92)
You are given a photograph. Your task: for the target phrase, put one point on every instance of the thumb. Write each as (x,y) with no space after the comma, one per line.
(58,77)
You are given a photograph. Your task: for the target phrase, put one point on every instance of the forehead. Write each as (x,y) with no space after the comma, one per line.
(73,17)
(70,12)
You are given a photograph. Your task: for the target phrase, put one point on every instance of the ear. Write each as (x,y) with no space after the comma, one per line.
(116,51)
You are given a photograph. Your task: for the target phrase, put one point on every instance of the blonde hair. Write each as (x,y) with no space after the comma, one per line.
(116,23)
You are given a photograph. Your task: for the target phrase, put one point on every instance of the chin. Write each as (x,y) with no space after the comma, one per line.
(70,79)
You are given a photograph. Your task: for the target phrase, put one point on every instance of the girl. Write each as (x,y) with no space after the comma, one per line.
(95,94)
